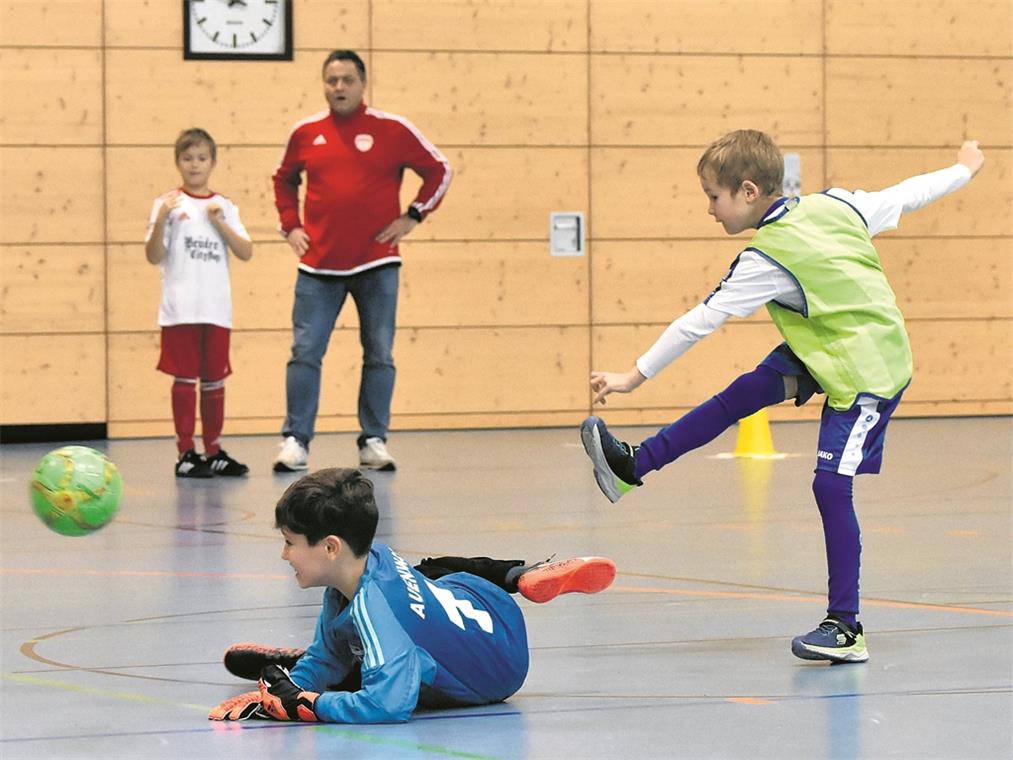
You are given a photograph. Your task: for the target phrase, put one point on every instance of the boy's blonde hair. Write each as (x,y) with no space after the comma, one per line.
(741,155)
(190,137)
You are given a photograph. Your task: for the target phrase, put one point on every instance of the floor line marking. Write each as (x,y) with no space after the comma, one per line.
(808,599)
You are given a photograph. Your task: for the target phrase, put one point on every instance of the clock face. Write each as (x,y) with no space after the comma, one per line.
(231,29)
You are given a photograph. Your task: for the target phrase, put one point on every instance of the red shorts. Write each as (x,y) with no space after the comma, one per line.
(197,351)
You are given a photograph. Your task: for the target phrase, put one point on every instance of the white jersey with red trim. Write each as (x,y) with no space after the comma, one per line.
(195,270)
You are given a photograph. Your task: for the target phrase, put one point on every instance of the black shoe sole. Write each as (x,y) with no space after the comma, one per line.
(279,467)
(247,662)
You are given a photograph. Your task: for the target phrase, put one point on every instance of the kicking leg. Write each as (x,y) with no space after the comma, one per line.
(538,582)
(618,466)
(748,394)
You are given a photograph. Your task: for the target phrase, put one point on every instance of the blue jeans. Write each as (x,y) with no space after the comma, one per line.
(318,301)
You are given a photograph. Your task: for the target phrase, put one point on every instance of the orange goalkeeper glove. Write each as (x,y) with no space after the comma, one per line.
(282,699)
(242,707)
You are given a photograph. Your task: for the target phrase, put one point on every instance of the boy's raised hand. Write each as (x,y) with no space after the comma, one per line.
(604,383)
(169,200)
(970,155)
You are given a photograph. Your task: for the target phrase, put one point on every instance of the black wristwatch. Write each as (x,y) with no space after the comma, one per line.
(414,213)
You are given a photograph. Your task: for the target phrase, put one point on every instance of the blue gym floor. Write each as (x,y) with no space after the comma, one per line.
(111,644)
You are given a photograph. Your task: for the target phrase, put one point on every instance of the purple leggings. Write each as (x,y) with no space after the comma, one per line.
(747,395)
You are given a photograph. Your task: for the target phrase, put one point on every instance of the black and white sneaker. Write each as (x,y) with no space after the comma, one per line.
(224,465)
(192,465)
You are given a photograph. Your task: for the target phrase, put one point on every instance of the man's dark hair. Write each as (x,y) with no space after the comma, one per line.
(346,55)
(336,502)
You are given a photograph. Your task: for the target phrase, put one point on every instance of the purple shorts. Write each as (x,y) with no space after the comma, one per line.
(851,441)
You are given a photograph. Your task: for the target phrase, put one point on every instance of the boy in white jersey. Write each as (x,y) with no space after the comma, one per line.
(812,263)
(190,233)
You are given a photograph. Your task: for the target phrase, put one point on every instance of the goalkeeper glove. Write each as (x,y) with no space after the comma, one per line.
(282,699)
(242,707)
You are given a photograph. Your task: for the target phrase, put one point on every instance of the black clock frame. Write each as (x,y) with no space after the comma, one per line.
(285,55)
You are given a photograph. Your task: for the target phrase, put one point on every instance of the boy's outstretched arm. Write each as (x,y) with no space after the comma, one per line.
(604,383)
(679,337)
(882,209)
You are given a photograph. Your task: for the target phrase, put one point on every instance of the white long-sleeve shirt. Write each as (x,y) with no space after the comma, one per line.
(753,280)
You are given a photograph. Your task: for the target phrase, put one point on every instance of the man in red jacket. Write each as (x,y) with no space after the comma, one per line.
(354,158)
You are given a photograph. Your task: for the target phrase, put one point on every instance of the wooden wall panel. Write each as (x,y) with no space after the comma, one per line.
(505,193)
(236,101)
(507,370)
(660,100)
(52,289)
(486,98)
(51,23)
(919,28)
(35,110)
(449,373)
(947,278)
(529,25)
(601,106)
(320,24)
(984,207)
(452,284)
(717,26)
(655,193)
(51,195)
(52,379)
(651,282)
(961,360)
(911,101)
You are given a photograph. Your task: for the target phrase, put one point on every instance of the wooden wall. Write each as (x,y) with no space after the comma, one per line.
(596,105)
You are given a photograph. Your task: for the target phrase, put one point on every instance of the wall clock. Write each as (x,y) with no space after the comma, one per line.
(231,30)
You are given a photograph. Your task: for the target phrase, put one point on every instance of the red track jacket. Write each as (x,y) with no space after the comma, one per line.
(354,165)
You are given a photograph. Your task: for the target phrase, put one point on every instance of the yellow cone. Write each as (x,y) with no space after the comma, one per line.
(754,438)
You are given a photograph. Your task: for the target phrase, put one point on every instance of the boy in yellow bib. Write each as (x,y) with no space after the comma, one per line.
(812,263)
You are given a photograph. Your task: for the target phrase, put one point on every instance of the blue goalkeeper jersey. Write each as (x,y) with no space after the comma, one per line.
(458,640)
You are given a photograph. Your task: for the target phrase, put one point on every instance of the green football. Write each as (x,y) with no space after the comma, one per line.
(76,490)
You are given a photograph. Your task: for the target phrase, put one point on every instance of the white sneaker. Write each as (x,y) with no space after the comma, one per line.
(292,457)
(375,456)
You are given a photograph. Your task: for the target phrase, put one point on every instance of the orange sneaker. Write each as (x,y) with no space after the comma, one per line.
(583,575)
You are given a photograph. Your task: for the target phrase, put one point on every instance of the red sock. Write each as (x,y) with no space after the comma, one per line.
(184,403)
(212,415)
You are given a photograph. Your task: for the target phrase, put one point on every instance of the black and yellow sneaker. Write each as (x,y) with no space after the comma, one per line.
(834,640)
(614,460)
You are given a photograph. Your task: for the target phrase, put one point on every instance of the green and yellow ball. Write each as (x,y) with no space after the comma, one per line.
(76,490)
